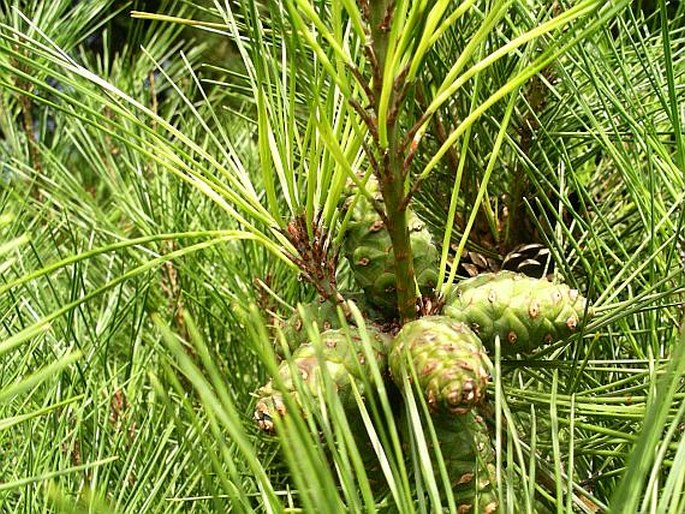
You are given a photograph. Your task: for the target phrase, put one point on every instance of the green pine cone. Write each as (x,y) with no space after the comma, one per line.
(367,452)
(524,312)
(470,461)
(324,313)
(344,361)
(294,330)
(449,359)
(368,248)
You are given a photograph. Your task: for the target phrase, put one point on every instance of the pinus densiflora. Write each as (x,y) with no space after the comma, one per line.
(444,356)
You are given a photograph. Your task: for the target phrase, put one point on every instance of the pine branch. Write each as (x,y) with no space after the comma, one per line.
(391,172)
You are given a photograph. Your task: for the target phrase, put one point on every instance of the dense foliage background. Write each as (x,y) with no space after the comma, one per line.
(148,165)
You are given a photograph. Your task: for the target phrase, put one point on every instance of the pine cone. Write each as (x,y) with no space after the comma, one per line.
(344,361)
(470,461)
(534,260)
(472,263)
(325,314)
(294,333)
(449,360)
(524,312)
(369,250)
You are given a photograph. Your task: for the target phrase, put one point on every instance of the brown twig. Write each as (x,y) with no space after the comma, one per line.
(364,8)
(369,154)
(369,120)
(363,83)
(386,22)
(400,88)
(373,61)
(406,164)
(442,134)
(408,138)
(536,96)
(26,106)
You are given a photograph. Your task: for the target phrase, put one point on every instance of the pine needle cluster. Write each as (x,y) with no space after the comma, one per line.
(157,160)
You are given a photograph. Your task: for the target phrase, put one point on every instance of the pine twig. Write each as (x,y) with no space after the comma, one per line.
(390,171)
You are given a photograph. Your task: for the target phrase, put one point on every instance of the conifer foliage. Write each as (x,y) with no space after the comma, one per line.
(342,256)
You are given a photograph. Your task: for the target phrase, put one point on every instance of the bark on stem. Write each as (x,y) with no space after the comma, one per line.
(390,171)
(393,196)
